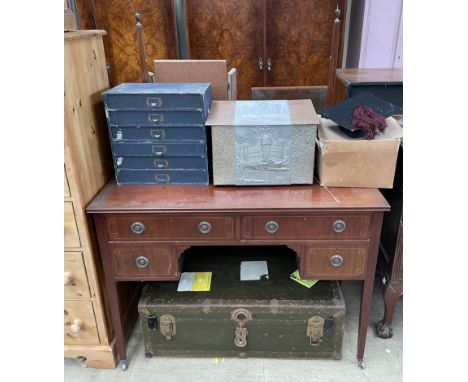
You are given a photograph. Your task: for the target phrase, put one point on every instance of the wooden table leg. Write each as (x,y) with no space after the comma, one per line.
(391,295)
(366,299)
(368,286)
(112,294)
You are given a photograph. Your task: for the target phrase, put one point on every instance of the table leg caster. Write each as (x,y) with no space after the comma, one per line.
(124,364)
(361,364)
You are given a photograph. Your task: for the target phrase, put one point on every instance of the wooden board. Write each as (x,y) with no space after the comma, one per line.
(83,311)
(86,136)
(103,357)
(71,236)
(230,30)
(76,282)
(117,17)
(66,187)
(317,94)
(213,71)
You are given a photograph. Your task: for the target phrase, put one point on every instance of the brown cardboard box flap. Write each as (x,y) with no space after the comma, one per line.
(301,112)
(330,131)
(348,162)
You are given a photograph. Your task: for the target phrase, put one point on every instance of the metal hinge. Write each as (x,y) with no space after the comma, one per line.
(167,326)
(315,329)
(152,323)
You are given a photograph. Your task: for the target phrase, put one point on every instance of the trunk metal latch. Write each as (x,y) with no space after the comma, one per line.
(315,329)
(167,326)
(241,316)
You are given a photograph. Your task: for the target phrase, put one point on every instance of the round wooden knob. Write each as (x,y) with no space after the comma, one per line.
(67,278)
(76,326)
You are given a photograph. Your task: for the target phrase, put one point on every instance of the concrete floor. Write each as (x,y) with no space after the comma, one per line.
(383,358)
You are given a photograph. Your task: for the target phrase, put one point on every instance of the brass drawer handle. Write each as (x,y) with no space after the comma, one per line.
(204,227)
(336,260)
(142,261)
(138,228)
(338,226)
(154,102)
(271,226)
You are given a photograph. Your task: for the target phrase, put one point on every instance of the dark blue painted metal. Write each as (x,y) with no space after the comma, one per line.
(125,176)
(171,163)
(160,134)
(157,132)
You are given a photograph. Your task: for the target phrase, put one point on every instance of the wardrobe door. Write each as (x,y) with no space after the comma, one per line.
(230,30)
(298,40)
(117,18)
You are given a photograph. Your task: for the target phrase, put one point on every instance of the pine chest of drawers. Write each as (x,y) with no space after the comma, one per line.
(157,132)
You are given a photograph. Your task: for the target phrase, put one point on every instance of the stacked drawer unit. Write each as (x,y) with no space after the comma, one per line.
(157,132)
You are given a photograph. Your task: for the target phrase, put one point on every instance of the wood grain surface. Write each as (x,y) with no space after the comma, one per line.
(299,34)
(114,198)
(231,30)
(353,75)
(117,17)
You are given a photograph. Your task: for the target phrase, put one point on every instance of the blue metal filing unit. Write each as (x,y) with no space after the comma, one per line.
(157,132)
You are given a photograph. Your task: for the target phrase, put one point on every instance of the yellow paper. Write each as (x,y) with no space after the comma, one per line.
(306,282)
(201,282)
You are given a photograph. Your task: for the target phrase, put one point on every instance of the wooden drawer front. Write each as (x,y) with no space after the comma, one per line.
(306,227)
(145,260)
(79,323)
(71,236)
(317,262)
(75,280)
(66,187)
(165,228)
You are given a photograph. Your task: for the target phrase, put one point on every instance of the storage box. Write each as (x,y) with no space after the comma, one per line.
(271,317)
(263,142)
(356,162)
(157,132)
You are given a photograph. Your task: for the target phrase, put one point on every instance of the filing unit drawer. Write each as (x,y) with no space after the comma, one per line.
(179,133)
(132,176)
(160,96)
(154,101)
(71,235)
(334,262)
(150,227)
(159,149)
(155,118)
(79,323)
(145,260)
(171,163)
(306,227)
(75,280)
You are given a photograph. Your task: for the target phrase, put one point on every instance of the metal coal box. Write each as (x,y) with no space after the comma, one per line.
(263,142)
(272,316)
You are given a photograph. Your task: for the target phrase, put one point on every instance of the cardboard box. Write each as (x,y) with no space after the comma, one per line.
(263,142)
(349,162)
